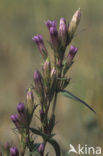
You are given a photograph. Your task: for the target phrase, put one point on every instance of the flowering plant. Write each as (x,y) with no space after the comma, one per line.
(47,85)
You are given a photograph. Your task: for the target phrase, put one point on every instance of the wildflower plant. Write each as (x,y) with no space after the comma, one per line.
(48,83)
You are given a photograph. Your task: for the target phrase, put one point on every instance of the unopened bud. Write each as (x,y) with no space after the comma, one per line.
(47,68)
(54,37)
(14,118)
(38,84)
(41,148)
(63,31)
(40,43)
(73,50)
(74,23)
(21,108)
(29,100)
(53,72)
(37,77)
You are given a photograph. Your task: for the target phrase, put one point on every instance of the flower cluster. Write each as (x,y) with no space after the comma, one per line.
(47,84)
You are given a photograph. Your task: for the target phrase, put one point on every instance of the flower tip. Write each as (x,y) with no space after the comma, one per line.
(14,117)
(20,108)
(14,151)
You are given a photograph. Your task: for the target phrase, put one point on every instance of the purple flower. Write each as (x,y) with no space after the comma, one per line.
(41,148)
(54,37)
(14,151)
(14,118)
(40,43)
(63,31)
(38,81)
(37,76)
(72,51)
(21,108)
(50,24)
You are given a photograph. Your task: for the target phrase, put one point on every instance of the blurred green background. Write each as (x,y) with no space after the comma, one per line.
(19,56)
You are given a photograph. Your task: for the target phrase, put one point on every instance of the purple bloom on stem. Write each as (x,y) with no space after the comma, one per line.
(50,24)
(41,148)
(14,117)
(53,33)
(21,108)
(40,43)
(54,37)
(37,76)
(72,51)
(14,151)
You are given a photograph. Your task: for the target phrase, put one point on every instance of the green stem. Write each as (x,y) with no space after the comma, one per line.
(54,103)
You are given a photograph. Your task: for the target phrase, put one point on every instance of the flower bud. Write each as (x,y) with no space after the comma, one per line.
(14,118)
(73,50)
(50,24)
(29,100)
(47,68)
(63,33)
(74,23)
(37,77)
(21,108)
(54,37)
(53,72)
(14,151)
(41,148)
(38,82)
(40,43)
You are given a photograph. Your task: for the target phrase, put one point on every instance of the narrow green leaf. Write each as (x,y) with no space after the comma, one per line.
(55,146)
(38,132)
(73,97)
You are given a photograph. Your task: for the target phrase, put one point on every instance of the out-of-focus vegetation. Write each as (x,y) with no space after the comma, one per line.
(19,56)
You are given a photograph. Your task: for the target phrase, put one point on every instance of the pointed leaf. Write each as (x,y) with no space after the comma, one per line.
(73,97)
(38,132)
(55,146)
